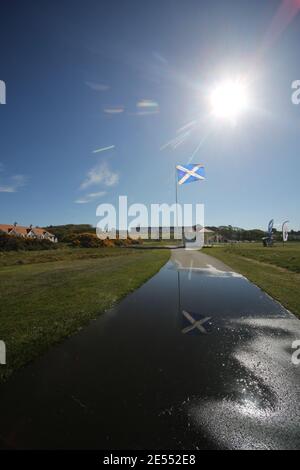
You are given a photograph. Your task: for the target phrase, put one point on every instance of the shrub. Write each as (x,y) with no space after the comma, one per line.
(108,243)
(67,233)
(86,240)
(90,240)
(13,243)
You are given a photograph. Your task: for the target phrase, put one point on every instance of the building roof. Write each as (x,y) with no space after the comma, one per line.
(40,231)
(23,230)
(143,229)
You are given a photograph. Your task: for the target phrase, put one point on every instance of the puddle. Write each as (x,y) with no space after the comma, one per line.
(133,379)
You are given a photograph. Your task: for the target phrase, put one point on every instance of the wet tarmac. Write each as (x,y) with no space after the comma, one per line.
(197,358)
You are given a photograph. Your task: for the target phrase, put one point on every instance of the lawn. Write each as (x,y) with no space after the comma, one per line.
(54,293)
(276,270)
(63,253)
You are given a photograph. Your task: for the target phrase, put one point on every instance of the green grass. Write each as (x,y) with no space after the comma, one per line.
(162,242)
(57,293)
(287,257)
(276,270)
(64,253)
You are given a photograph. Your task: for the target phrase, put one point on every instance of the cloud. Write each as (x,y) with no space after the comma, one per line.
(114,110)
(104,149)
(15,183)
(97,86)
(147,104)
(7,189)
(146,108)
(95,195)
(90,197)
(100,174)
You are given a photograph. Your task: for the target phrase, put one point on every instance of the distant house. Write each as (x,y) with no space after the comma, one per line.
(168,233)
(28,232)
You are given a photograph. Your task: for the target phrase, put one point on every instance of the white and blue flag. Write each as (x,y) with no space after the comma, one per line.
(190,173)
(285,231)
(270,228)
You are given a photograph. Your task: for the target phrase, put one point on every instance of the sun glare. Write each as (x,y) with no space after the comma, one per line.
(228,100)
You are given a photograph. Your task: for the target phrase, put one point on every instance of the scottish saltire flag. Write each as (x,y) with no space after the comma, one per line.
(190,173)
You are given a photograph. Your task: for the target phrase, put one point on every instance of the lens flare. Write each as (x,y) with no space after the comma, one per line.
(228,100)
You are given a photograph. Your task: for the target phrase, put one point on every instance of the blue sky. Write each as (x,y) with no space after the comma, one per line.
(83,76)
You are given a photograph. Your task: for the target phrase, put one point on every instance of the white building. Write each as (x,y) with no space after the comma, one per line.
(28,232)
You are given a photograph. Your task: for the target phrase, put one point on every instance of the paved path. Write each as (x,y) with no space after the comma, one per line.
(196,358)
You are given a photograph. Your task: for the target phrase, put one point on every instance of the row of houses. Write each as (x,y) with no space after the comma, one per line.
(167,233)
(28,232)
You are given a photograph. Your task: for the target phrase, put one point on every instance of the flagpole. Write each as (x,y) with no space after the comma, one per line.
(178,271)
(179,293)
(176,198)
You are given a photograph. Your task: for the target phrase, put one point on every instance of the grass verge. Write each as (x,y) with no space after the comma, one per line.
(276,270)
(43,302)
(64,253)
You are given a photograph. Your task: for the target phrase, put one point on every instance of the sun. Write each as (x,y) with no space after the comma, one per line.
(229,99)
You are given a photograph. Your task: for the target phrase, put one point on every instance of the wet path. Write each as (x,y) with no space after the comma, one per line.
(196,358)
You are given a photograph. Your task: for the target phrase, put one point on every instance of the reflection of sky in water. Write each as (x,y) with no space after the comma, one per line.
(232,388)
(258,408)
(250,407)
(232,424)
(258,390)
(209,270)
